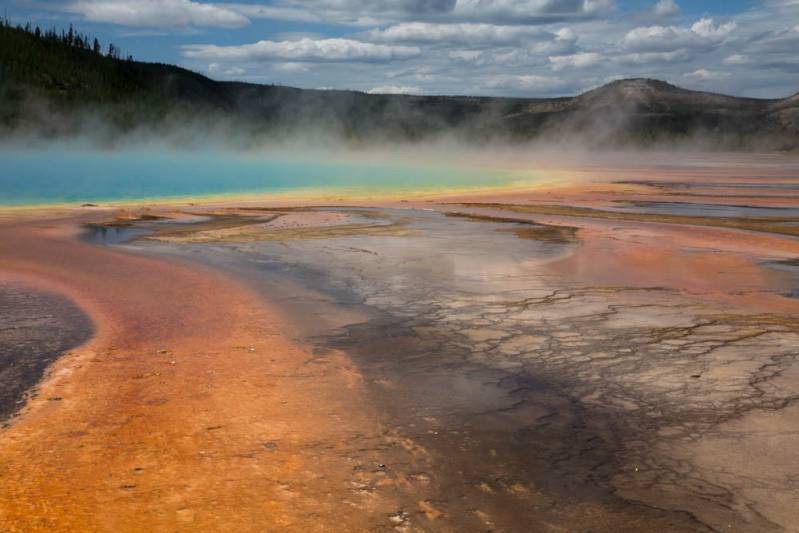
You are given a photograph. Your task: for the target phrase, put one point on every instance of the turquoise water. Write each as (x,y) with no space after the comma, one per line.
(75,176)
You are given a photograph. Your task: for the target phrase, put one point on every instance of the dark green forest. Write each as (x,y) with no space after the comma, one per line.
(66,66)
(68,72)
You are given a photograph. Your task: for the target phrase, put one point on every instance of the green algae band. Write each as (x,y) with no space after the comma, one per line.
(70,176)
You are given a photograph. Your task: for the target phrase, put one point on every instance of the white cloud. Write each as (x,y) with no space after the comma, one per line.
(394,89)
(581,60)
(463,33)
(707,75)
(293,14)
(654,58)
(566,34)
(774,42)
(704,34)
(736,59)
(501,57)
(665,8)
(215,69)
(530,11)
(500,47)
(708,29)
(158,13)
(516,12)
(302,50)
(526,82)
(467,56)
(291,67)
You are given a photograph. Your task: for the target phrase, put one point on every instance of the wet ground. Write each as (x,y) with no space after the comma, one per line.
(705,210)
(791,267)
(515,395)
(35,329)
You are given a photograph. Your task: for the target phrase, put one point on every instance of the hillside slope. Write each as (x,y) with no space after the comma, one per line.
(50,86)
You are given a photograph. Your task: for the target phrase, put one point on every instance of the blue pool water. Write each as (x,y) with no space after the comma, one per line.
(73,176)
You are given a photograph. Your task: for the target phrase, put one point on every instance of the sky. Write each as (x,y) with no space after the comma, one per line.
(529,48)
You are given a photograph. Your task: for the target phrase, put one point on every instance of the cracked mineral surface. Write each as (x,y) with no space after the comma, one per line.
(518,392)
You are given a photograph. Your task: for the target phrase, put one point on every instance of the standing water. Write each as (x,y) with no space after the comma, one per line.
(56,176)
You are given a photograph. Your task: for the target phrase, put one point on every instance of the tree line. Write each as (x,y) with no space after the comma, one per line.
(69,37)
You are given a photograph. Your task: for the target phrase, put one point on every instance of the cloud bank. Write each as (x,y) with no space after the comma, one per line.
(495,47)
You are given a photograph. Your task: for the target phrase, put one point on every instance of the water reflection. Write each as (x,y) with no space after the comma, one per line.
(100,234)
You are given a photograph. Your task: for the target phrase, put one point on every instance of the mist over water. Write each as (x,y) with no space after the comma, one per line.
(156,169)
(68,175)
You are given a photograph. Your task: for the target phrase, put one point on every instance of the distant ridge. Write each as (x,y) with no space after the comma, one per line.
(56,89)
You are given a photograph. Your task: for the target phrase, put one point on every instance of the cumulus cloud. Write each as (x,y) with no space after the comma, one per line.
(710,30)
(655,58)
(581,60)
(394,89)
(257,11)
(736,59)
(302,50)
(515,12)
(665,8)
(703,34)
(501,57)
(466,56)
(408,7)
(774,42)
(527,82)
(158,13)
(705,74)
(530,11)
(215,69)
(463,34)
(291,67)
(501,47)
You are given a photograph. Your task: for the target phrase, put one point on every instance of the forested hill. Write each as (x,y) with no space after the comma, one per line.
(72,73)
(62,83)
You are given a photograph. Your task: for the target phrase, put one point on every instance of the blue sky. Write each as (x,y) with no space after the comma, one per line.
(494,47)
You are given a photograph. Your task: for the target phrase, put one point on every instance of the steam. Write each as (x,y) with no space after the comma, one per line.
(274,118)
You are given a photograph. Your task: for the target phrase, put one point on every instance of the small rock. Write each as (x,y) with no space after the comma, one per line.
(271,445)
(399,518)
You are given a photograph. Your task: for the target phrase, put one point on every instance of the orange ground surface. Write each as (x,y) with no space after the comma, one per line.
(189,409)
